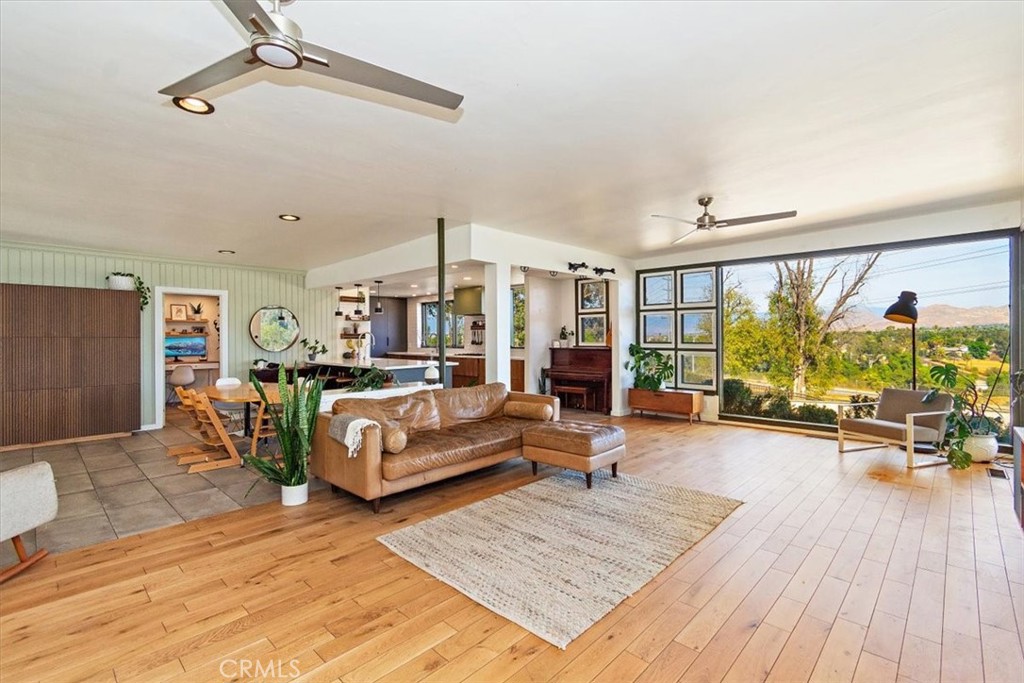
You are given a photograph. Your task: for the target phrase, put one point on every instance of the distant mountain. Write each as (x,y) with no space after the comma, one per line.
(935,315)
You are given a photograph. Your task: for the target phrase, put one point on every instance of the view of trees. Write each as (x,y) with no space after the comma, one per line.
(790,357)
(518,317)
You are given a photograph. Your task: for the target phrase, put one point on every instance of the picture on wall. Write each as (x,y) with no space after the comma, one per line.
(658,329)
(657,290)
(697,287)
(179,312)
(697,328)
(591,296)
(696,370)
(593,330)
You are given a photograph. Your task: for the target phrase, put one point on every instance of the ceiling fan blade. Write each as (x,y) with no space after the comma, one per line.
(252,17)
(336,65)
(242,62)
(672,218)
(725,223)
(685,235)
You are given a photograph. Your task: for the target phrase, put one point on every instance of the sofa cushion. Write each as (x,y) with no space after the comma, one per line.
(470,404)
(414,412)
(460,443)
(529,411)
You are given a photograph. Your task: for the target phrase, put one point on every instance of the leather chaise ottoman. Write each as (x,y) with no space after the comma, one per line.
(579,446)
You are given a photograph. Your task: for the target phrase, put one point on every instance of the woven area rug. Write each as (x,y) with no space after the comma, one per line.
(555,557)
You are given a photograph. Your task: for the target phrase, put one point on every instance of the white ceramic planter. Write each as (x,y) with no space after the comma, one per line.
(120,282)
(295,495)
(982,448)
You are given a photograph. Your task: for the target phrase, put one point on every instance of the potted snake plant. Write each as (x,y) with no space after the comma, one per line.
(294,420)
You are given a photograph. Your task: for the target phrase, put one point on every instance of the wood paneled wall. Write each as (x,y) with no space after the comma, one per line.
(69,363)
(248,289)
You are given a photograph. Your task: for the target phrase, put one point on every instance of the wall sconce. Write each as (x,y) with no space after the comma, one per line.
(598,271)
(573,267)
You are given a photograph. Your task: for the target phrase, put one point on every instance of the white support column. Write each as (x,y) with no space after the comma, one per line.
(498,312)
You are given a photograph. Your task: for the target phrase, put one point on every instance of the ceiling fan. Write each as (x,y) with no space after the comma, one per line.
(707,221)
(275,40)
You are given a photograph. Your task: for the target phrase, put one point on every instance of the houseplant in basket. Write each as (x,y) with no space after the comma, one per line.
(294,421)
(970,431)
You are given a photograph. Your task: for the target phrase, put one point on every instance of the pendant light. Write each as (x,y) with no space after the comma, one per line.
(379,308)
(359,306)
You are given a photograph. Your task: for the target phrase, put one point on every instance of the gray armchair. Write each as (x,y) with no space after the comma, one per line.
(900,420)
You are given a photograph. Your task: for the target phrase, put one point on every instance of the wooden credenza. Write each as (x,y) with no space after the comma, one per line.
(672,401)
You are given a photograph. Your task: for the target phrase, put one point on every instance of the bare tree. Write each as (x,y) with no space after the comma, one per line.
(802,326)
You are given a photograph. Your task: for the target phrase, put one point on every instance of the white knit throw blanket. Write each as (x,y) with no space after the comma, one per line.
(352,428)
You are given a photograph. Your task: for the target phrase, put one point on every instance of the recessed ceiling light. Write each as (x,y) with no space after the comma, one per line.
(467,278)
(454,267)
(193,105)
(289,217)
(414,286)
(225,251)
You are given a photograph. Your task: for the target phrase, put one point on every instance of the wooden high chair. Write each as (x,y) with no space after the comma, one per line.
(187,406)
(224,451)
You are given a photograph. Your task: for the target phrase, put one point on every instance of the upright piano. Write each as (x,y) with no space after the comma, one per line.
(586,366)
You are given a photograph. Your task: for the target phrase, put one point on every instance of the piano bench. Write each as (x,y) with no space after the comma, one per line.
(579,446)
(573,390)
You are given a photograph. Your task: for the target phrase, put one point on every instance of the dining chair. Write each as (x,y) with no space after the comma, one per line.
(236,411)
(181,376)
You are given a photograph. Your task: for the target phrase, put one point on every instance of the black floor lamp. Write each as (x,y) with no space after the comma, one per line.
(905,311)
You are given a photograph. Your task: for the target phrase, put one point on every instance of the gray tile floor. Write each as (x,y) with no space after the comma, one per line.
(120,487)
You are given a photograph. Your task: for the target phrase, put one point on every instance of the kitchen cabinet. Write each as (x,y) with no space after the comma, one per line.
(390,328)
(518,374)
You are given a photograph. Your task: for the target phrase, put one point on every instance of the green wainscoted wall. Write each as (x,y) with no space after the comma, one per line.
(248,289)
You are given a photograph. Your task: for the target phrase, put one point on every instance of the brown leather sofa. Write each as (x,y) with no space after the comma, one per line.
(432,435)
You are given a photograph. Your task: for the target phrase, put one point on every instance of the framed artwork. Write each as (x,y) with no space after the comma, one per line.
(657,329)
(657,290)
(697,329)
(697,287)
(591,296)
(179,311)
(696,370)
(593,330)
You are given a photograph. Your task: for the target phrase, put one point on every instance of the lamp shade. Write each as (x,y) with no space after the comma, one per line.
(904,310)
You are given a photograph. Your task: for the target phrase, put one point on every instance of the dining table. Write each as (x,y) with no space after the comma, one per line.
(243,393)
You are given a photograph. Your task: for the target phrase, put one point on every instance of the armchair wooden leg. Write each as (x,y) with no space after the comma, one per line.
(24,560)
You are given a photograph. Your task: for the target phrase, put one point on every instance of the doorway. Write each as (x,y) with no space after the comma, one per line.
(190,328)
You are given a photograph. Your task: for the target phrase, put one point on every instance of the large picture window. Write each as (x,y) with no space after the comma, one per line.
(455,326)
(805,335)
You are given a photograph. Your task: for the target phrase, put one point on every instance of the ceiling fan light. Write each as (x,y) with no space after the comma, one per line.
(276,53)
(193,105)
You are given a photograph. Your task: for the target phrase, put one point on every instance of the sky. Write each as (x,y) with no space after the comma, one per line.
(965,275)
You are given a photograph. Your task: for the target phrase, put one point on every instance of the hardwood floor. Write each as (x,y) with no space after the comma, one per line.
(837,568)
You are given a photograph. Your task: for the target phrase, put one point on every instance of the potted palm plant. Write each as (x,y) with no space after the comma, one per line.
(970,432)
(294,420)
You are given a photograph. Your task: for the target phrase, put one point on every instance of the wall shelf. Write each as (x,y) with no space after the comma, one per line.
(187,334)
(201,320)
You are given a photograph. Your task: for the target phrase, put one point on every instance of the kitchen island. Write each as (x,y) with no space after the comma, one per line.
(404,370)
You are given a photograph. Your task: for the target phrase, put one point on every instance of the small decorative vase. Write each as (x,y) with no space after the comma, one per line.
(431,375)
(312,356)
(983,448)
(120,282)
(295,495)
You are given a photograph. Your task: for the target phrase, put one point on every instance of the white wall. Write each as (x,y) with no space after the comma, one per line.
(544,319)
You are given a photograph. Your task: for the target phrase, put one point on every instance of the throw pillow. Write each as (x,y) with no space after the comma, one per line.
(528,411)
(393,439)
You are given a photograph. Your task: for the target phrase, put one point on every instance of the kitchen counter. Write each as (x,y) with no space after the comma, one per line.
(382,363)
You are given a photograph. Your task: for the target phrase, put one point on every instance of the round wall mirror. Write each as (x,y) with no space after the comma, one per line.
(274,328)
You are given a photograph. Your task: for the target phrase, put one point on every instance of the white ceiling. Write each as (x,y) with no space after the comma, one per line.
(579,121)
